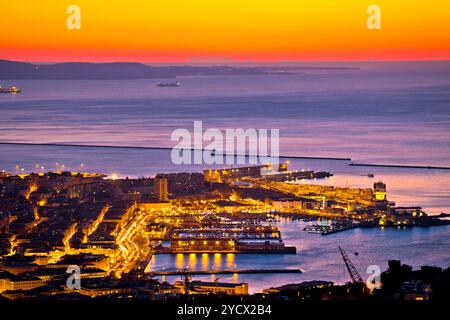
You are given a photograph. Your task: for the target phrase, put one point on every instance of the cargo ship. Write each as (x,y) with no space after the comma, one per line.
(10,90)
(169,84)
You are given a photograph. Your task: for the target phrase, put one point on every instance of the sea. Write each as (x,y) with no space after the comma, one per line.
(374,112)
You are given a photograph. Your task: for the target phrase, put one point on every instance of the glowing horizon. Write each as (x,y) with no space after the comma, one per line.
(240,31)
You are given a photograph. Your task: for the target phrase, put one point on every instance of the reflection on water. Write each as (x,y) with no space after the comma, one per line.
(179,261)
(217,260)
(230,261)
(205,261)
(192,261)
(195,261)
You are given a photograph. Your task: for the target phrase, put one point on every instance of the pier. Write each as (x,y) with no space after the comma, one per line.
(284,250)
(237,271)
(398,166)
(74,145)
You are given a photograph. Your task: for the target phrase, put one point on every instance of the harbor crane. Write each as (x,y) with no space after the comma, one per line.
(354,274)
(186,276)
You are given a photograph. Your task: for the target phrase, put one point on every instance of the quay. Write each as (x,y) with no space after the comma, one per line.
(284,250)
(162,148)
(237,271)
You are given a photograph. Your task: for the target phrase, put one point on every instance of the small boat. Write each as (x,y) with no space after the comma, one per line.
(10,90)
(169,84)
(371,175)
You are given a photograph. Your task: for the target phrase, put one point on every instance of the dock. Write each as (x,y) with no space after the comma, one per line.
(75,145)
(208,272)
(285,250)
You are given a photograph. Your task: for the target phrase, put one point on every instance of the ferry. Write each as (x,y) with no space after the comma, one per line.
(315,228)
(169,84)
(10,90)
(327,229)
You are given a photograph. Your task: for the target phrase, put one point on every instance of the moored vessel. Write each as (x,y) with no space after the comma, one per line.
(10,90)
(168,84)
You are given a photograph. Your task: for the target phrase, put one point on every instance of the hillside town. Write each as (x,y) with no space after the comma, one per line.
(110,227)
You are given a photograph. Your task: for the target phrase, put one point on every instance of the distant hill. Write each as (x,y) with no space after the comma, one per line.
(112,71)
(305,68)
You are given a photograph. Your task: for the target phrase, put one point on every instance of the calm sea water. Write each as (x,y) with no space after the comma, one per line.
(383,113)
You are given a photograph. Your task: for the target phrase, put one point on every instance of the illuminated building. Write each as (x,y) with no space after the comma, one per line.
(93,290)
(84,261)
(10,282)
(379,191)
(154,206)
(201,287)
(199,244)
(288,204)
(3,175)
(235,173)
(48,274)
(278,172)
(161,189)
(184,182)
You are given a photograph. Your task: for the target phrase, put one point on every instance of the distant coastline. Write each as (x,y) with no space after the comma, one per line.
(113,71)
(307,68)
(16,70)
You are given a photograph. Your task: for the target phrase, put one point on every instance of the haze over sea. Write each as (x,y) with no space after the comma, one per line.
(384,113)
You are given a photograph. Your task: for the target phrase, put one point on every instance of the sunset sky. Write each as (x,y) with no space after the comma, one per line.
(224,30)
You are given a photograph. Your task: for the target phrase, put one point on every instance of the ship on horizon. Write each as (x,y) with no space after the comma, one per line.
(168,84)
(10,90)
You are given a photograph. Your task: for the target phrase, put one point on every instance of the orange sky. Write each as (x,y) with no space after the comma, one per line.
(223,30)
